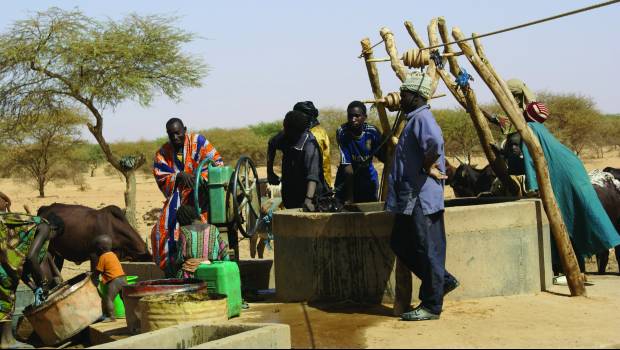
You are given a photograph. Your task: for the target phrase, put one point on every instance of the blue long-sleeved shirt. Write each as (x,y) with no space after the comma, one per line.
(408,183)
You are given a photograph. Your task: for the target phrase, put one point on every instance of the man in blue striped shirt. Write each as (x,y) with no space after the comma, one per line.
(415,195)
(359,142)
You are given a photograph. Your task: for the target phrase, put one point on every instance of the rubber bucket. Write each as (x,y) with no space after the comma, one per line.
(119,306)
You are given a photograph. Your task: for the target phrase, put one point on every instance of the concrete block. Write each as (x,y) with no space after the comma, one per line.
(493,249)
(256,274)
(144,270)
(101,333)
(213,336)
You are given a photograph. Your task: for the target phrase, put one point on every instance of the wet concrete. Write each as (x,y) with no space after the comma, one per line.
(326,325)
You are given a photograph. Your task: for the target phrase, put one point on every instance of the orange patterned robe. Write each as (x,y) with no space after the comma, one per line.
(165,169)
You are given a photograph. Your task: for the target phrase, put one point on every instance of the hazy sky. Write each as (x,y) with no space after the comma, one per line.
(266,55)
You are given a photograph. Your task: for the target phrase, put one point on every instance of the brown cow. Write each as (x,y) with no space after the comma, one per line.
(83,224)
(5,202)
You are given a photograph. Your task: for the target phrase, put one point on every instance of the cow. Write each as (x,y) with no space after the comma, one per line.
(5,203)
(613,171)
(609,194)
(82,224)
(468,181)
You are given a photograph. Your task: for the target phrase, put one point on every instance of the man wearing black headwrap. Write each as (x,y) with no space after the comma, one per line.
(319,133)
(302,175)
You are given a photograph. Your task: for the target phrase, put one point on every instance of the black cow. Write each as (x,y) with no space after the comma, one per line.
(609,196)
(467,181)
(613,171)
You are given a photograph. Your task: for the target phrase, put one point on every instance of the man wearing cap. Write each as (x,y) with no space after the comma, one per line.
(589,227)
(416,196)
(320,135)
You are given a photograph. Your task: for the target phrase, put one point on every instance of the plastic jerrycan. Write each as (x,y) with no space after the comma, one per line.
(223,277)
(119,306)
(219,177)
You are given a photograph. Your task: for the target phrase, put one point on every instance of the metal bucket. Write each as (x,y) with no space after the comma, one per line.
(133,293)
(161,311)
(73,306)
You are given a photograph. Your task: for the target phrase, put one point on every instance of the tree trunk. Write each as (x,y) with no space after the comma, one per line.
(130,197)
(41,188)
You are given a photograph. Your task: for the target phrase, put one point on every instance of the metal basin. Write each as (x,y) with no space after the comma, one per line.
(133,293)
(72,307)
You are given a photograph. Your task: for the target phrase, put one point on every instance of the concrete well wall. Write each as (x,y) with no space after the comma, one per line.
(493,249)
(209,336)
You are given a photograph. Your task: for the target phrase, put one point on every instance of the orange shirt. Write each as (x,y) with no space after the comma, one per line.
(110,267)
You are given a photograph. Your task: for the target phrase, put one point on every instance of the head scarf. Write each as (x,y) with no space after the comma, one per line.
(536,112)
(419,83)
(521,92)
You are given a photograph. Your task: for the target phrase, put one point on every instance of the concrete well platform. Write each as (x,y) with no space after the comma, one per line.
(494,249)
(213,336)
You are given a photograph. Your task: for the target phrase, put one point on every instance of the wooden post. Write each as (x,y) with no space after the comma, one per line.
(373,76)
(432,69)
(390,47)
(467,100)
(558,229)
(480,122)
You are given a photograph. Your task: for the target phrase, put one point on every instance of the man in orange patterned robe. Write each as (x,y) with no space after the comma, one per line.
(173,168)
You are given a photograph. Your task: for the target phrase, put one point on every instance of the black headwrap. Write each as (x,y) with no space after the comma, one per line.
(307,108)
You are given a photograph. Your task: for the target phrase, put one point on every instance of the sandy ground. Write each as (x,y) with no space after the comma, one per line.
(546,320)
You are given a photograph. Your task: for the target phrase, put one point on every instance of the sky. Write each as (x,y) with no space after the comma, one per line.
(264,56)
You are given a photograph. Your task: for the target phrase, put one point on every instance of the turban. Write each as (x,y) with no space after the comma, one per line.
(419,83)
(536,112)
(521,92)
(307,107)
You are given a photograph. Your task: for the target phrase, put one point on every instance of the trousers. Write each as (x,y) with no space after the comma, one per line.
(419,241)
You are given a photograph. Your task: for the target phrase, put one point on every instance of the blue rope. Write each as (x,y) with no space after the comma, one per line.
(38,296)
(436,57)
(267,219)
(462,80)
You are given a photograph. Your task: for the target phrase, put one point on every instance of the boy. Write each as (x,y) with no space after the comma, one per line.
(111,271)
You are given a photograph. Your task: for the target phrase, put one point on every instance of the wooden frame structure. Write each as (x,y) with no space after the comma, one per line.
(466,97)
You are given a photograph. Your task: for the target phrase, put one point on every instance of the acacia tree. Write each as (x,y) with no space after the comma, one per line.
(62,58)
(43,150)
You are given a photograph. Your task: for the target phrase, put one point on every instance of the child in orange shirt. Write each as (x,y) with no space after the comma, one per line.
(111,271)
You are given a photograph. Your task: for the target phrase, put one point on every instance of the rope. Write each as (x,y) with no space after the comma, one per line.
(462,80)
(561,15)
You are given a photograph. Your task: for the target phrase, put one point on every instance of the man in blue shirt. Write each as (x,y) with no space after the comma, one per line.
(359,142)
(416,196)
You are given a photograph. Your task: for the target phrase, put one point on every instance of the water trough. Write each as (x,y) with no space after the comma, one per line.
(495,247)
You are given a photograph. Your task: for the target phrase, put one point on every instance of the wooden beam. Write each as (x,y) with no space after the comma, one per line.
(558,229)
(390,47)
(373,76)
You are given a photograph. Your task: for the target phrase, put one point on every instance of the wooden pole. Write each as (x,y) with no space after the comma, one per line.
(558,229)
(467,100)
(480,122)
(485,60)
(373,76)
(431,70)
(390,47)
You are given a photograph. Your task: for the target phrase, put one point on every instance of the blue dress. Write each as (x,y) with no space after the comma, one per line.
(588,225)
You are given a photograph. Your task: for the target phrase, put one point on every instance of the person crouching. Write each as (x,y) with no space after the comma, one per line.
(112,275)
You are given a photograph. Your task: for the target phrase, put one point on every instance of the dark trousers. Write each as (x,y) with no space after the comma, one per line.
(420,242)
(115,286)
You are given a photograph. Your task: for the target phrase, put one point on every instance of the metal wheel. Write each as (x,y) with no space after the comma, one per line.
(245,192)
